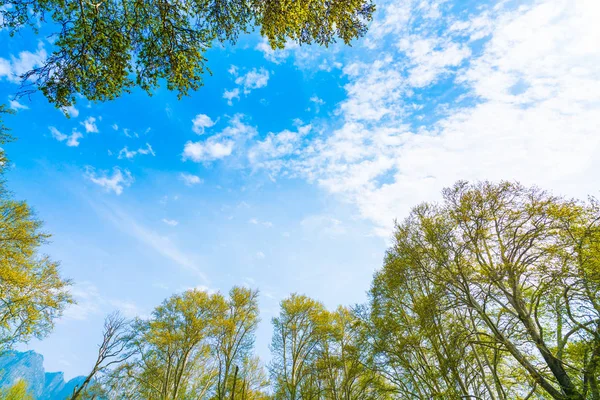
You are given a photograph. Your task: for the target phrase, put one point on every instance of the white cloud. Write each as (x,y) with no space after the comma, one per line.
(254,79)
(90,302)
(72,139)
(130,135)
(189,179)
(170,222)
(127,308)
(25,61)
(90,125)
(129,154)
(70,111)
(86,296)
(115,127)
(431,57)
(375,90)
(207,151)
(220,145)
(275,56)
(528,110)
(115,182)
(147,150)
(202,288)
(160,244)
(392,19)
(256,221)
(317,100)
(200,122)
(56,134)
(260,255)
(15,105)
(271,152)
(229,95)
(233,70)
(323,225)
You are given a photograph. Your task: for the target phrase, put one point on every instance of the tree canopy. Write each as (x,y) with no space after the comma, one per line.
(195,345)
(32,292)
(105,48)
(493,293)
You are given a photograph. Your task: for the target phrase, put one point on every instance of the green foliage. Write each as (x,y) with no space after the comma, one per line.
(492,294)
(189,349)
(233,341)
(17,391)
(105,48)
(32,293)
(478,297)
(319,354)
(4,131)
(298,332)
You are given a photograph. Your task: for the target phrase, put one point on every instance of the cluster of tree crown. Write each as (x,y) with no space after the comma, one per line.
(102,49)
(492,294)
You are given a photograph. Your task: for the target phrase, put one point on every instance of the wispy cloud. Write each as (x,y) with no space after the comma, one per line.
(525,105)
(256,221)
(15,105)
(220,145)
(129,154)
(90,302)
(72,140)
(253,79)
(111,183)
(189,179)
(160,244)
(12,69)
(229,95)
(323,225)
(170,222)
(275,56)
(90,125)
(70,111)
(200,123)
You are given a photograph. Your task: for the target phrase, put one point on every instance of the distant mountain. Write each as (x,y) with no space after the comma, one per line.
(29,366)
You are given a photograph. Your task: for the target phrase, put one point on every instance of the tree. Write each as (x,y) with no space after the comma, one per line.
(234,336)
(113,350)
(344,371)
(253,383)
(18,391)
(32,293)
(494,293)
(298,333)
(195,345)
(105,48)
(171,357)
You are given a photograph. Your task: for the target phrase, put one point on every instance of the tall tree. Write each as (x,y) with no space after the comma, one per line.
(343,370)
(105,48)
(298,334)
(195,345)
(32,292)
(498,288)
(113,350)
(234,336)
(172,354)
(253,383)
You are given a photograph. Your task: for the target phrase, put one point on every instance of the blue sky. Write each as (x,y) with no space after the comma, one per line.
(286,171)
